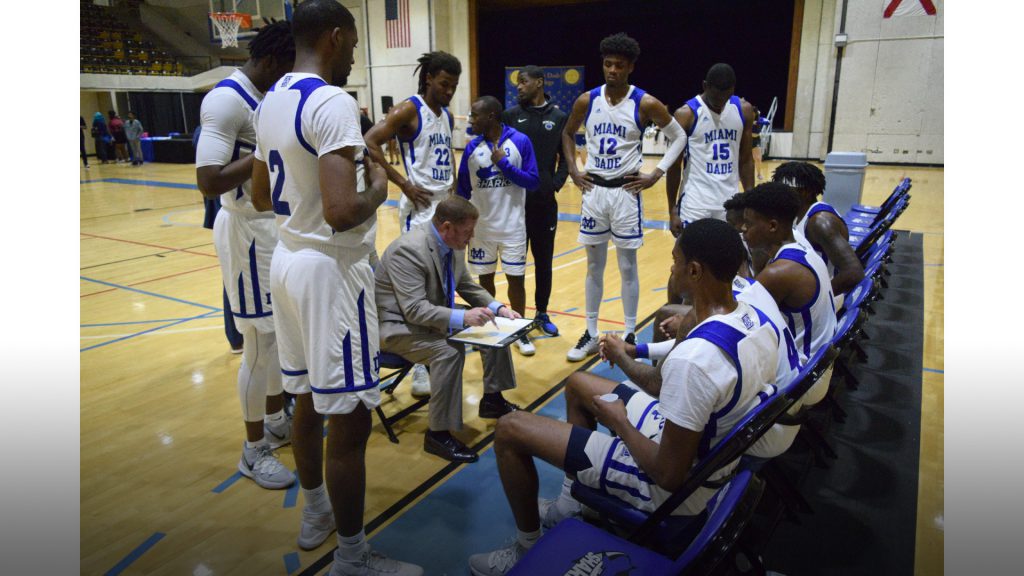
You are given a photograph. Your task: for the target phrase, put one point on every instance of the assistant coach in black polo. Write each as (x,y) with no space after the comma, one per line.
(542,122)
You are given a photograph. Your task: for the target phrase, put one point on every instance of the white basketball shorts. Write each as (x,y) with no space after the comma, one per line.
(245,247)
(483,256)
(326,319)
(612,213)
(409,217)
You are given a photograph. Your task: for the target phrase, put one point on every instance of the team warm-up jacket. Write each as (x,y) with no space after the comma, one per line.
(543,125)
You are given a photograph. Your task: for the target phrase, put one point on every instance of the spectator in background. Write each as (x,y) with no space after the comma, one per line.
(133,132)
(120,141)
(81,139)
(364,121)
(100,136)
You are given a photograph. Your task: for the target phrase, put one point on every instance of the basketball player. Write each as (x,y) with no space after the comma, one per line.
(660,436)
(423,126)
(821,225)
(793,273)
(718,155)
(497,168)
(614,116)
(245,240)
(311,169)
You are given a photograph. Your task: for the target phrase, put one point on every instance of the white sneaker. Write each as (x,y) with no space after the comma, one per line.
(264,468)
(587,346)
(279,434)
(497,563)
(526,348)
(373,563)
(315,528)
(551,514)
(420,382)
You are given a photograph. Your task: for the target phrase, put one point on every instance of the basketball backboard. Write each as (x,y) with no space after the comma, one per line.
(258,9)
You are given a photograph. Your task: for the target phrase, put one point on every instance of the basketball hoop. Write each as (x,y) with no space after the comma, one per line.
(227,24)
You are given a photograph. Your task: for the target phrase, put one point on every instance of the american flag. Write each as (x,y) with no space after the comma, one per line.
(396,16)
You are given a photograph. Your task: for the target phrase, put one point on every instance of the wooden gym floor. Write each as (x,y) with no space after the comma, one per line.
(160,421)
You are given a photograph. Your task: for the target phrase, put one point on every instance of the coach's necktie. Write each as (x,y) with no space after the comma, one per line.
(449,279)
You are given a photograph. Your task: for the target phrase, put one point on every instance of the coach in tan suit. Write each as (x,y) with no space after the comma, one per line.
(416,282)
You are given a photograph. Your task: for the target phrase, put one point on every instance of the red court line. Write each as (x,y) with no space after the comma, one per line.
(579,316)
(149,245)
(154,279)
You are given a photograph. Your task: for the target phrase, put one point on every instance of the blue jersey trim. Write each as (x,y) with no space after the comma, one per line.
(294,372)
(306,87)
(255,279)
(735,100)
(419,125)
(694,105)
(364,338)
(595,93)
(636,95)
(727,338)
(229,83)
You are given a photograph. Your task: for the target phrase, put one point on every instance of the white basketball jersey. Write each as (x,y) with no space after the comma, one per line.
(814,324)
(614,134)
(301,119)
(428,156)
(712,173)
(228,134)
(790,359)
(801,227)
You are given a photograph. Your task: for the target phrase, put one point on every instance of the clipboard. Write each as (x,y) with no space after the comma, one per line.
(487,336)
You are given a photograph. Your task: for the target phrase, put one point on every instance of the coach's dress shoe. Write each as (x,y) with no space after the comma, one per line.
(449,447)
(495,406)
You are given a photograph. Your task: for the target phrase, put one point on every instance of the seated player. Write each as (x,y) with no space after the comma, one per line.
(823,228)
(661,432)
(793,273)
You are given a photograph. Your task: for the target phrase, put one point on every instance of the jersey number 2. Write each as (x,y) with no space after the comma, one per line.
(443,156)
(612,144)
(276,166)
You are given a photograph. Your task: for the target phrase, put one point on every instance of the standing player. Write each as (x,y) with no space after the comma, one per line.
(245,241)
(718,150)
(423,126)
(310,167)
(497,169)
(820,224)
(542,122)
(614,116)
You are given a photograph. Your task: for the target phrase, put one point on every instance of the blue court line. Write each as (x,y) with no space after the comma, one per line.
(570,310)
(142,321)
(135,554)
(291,562)
(227,483)
(612,299)
(130,181)
(291,495)
(154,294)
(154,329)
(662,289)
(933,370)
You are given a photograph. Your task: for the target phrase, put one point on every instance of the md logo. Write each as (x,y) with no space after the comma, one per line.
(477,254)
(588,223)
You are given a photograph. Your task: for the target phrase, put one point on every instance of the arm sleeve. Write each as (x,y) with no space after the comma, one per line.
(675,133)
(221,118)
(658,350)
(688,394)
(258,152)
(334,121)
(525,175)
(464,186)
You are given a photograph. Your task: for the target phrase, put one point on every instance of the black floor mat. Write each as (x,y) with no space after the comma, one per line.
(865,503)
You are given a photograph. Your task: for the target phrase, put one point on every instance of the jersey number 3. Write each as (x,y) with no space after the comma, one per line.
(276,166)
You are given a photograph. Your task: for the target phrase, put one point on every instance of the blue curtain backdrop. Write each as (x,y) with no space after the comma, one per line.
(562,84)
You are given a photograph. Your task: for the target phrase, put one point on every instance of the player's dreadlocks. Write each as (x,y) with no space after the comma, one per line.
(801,175)
(620,45)
(274,39)
(434,62)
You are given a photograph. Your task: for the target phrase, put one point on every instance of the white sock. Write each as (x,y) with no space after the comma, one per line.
(350,548)
(275,418)
(316,499)
(630,287)
(256,444)
(597,257)
(527,539)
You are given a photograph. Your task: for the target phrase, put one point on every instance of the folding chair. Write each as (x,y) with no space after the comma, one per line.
(574,544)
(860,214)
(399,367)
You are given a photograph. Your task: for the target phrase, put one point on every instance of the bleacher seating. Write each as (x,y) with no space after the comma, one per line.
(108,45)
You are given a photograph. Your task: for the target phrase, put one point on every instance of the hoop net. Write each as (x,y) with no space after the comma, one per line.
(227,24)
